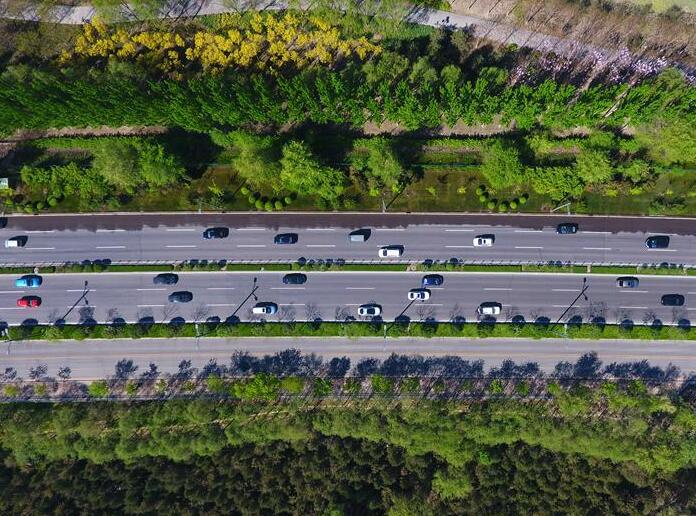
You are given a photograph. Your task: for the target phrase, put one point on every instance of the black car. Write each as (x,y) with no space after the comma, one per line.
(295,278)
(567,228)
(285,238)
(672,300)
(211,233)
(166,278)
(657,242)
(183,296)
(432,280)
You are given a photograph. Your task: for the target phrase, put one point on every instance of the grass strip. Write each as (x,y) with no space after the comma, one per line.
(350,329)
(367,267)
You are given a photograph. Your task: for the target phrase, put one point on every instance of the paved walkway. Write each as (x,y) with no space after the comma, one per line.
(92,359)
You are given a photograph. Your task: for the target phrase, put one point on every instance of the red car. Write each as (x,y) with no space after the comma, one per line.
(29,301)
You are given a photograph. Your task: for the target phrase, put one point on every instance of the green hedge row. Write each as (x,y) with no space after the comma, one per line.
(351,329)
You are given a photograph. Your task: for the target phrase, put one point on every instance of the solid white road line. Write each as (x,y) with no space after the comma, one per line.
(221,304)
(12,308)
(460,230)
(110,230)
(11,292)
(565,290)
(41,231)
(181,246)
(634,307)
(149,306)
(664,250)
(391,229)
(39,248)
(597,232)
(110,247)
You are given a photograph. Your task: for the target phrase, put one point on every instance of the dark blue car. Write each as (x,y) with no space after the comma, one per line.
(285,238)
(432,280)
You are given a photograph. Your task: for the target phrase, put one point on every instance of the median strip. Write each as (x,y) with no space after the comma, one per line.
(234,329)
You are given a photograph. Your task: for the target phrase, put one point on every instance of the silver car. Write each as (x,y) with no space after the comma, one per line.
(627,282)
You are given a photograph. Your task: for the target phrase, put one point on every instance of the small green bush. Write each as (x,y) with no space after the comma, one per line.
(52,201)
(513,204)
(287,200)
(480,190)
(268,205)
(259,204)
(503,206)
(245,190)
(40,205)
(523,199)
(278,204)
(98,389)
(491,205)
(483,198)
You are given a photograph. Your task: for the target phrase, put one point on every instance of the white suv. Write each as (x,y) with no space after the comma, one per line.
(484,240)
(489,308)
(391,251)
(369,310)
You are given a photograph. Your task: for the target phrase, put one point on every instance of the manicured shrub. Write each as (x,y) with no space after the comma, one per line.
(268,205)
(244,190)
(491,205)
(523,199)
(503,206)
(480,190)
(513,204)
(259,204)
(278,204)
(52,201)
(287,200)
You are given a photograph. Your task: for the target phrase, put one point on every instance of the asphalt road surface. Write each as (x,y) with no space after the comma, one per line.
(132,297)
(518,238)
(95,359)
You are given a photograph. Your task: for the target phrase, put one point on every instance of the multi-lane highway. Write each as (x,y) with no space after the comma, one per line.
(330,296)
(90,360)
(518,238)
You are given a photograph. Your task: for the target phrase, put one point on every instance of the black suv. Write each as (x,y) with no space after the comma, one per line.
(567,228)
(211,233)
(432,280)
(166,278)
(183,296)
(285,238)
(672,300)
(296,278)
(657,242)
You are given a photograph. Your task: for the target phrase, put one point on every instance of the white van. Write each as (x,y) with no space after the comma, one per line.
(15,242)
(391,251)
(264,308)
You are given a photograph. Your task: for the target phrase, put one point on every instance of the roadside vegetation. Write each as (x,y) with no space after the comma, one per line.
(451,429)
(287,111)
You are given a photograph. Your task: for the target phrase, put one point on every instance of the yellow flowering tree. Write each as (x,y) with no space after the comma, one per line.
(265,42)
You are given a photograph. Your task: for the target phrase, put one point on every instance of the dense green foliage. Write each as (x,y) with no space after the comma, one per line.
(340,476)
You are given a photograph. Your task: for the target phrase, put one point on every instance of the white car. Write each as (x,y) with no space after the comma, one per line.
(17,241)
(391,251)
(418,294)
(484,240)
(264,308)
(370,310)
(489,308)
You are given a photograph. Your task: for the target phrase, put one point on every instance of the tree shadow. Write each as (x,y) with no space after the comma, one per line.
(599,321)
(177,322)
(627,324)
(212,322)
(518,320)
(575,321)
(232,320)
(146,322)
(430,325)
(118,322)
(542,322)
(657,324)
(458,321)
(684,324)
(88,323)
